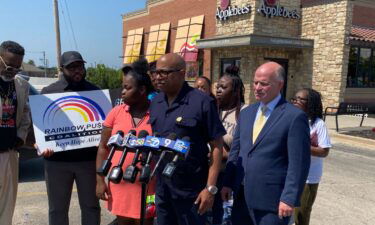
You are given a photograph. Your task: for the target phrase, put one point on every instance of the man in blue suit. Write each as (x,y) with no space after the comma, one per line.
(270,156)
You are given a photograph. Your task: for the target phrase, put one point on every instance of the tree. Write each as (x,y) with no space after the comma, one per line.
(104,77)
(31,62)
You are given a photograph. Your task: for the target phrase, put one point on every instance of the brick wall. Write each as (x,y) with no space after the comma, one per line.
(163,11)
(364,16)
(257,23)
(299,71)
(329,26)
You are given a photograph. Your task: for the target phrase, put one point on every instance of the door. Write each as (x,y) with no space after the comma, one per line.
(284,64)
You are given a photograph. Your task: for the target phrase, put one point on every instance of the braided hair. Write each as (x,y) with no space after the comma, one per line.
(314,105)
(238,87)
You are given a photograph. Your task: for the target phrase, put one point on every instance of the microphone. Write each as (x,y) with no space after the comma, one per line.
(114,142)
(116,172)
(170,168)
(145,173)
(165,145)
(132,170)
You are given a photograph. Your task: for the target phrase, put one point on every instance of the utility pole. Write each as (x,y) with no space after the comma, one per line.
(45,63)
(57,30)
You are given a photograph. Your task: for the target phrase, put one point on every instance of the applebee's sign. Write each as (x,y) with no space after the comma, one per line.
(226,11)
(271,8)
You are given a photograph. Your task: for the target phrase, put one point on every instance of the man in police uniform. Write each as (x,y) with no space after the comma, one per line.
(184,198)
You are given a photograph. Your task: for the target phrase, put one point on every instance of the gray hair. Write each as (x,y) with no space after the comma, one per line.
(280,74)
(13,47)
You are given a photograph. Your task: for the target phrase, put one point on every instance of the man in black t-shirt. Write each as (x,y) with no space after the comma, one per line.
(63,168)
(14,124)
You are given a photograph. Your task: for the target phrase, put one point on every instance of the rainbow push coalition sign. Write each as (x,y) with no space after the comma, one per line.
(67,121)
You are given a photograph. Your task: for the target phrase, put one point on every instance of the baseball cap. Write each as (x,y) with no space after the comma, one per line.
(71,57)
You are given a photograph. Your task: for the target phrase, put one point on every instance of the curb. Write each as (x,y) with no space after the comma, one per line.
(350,140)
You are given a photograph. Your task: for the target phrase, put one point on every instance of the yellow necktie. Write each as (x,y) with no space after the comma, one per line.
(259,123)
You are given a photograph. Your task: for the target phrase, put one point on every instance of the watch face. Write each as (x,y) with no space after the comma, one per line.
(212,189)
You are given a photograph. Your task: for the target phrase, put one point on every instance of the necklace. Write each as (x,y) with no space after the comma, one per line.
(10,95)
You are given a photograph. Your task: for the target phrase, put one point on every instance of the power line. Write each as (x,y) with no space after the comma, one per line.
(66,27)
(71,25)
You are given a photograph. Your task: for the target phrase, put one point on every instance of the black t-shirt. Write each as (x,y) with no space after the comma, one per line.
(8,128)
(77,155)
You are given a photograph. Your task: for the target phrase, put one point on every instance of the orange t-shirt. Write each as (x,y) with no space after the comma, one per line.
(125,197)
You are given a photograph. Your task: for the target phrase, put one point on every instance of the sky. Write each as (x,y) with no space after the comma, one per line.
(97,28)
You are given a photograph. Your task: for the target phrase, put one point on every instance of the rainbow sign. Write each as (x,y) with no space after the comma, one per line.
(70,120)
(89,110)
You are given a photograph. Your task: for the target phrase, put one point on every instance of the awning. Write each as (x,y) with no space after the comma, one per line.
(254,40)
(362,36)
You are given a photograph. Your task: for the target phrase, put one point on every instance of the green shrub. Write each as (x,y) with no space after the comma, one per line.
(104,77)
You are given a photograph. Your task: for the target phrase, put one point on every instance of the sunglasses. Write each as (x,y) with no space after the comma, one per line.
(10,68)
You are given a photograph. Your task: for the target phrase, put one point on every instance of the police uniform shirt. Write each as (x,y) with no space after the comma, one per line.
(193,114)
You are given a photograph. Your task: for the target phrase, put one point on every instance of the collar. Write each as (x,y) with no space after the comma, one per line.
(181,97)
(272,104)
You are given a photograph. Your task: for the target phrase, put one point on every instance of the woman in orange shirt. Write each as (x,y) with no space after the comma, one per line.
(124,198)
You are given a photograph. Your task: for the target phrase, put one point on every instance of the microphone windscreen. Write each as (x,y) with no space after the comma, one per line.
(121,133)
(142,134)
(133,132)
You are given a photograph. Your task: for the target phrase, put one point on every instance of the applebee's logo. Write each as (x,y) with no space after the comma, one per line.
(270,9)
(226,10)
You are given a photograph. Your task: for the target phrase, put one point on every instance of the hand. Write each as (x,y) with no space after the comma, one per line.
(314,139)
(226,193)
(46,153)
(102,190)
(205,200)
(285,210)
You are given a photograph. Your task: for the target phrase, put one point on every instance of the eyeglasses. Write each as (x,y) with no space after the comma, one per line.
(165,73)
(298,99)
(10,68)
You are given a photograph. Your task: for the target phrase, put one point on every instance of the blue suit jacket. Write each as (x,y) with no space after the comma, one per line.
(276,166)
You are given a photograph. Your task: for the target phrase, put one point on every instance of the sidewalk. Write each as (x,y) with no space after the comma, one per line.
(350,123)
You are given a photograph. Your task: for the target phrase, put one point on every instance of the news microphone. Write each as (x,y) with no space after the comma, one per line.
(165,145)
(132,170)
(145,173)
(114,142)
(170,168)
(116,172)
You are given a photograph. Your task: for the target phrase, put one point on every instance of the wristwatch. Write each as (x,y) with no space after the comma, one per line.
(212,189)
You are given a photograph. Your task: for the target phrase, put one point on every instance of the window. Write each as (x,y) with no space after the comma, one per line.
(225,63)
(361,68)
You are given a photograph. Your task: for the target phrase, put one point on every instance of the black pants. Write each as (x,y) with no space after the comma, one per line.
(177,211)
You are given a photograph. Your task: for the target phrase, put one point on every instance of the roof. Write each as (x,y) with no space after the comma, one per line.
(362,34)
(30,68)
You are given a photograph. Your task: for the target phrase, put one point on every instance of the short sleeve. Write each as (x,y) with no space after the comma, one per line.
(212,122)
(110,119)
(323,136)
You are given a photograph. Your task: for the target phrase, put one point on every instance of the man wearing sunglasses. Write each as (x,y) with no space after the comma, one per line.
(14,124)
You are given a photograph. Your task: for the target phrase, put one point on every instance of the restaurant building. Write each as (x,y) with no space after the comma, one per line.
(328,45)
